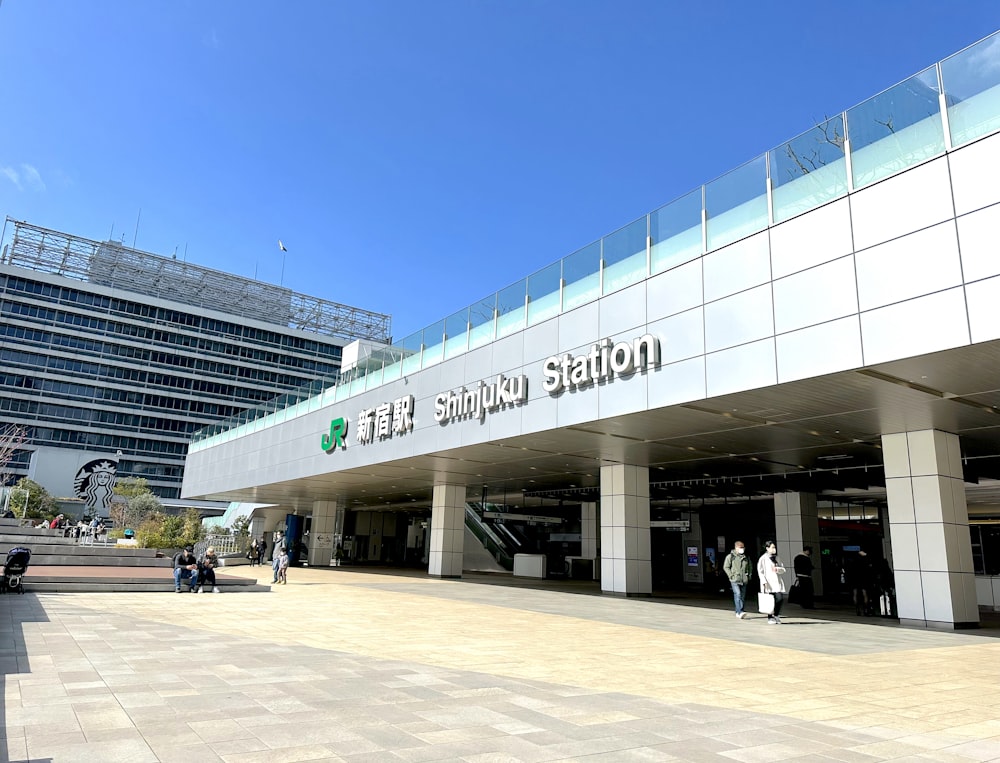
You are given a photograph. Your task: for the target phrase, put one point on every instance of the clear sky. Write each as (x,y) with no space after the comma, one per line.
(418,155)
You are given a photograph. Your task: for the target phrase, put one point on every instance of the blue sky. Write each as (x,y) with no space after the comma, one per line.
(417,156)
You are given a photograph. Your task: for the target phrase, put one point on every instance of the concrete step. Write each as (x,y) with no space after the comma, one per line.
(51,537)
(75,560)
(86,551)
(106,586)
(55,578)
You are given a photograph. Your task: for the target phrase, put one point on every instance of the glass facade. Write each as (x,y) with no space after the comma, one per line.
(945,106)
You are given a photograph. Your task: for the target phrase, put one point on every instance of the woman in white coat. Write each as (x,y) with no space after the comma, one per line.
(769,570)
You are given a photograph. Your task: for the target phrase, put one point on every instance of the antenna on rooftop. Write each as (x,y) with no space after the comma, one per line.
(137,217)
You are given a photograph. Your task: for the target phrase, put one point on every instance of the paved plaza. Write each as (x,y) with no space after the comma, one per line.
(342,665)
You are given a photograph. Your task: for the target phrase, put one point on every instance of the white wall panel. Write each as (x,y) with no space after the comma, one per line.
(477,365)
(816,295)
(681,336)
(908,267)
(741,318)
(816,237)
(579,326)
(623,310)
(674,291)
(677,383)
(539,414)
(973,187)
(748,366)
(983,298)
(915,327)
(452,371)
(902,204)
(979,243)
(577,406)
(737,267)
(818,350)
(508,353)
(540,339)
(623,394)
(423,384)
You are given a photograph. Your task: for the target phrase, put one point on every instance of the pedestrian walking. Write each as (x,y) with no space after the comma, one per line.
(737,569)
(769,570)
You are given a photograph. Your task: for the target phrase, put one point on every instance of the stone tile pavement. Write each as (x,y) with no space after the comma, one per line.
(341,665)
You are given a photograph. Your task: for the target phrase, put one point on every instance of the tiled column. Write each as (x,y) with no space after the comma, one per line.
(447,531)
(588,530)
(324,515)
(929,529)
(626,569)
(796,524)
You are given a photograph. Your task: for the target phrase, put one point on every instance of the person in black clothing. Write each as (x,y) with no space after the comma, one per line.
(262,546)
(209,563)
(861,576)
(186,566)
(803,585)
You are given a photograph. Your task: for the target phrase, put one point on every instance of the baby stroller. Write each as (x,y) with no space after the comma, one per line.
(14,569)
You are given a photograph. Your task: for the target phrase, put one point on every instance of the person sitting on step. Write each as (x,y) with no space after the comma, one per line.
(209,561)
(186,566)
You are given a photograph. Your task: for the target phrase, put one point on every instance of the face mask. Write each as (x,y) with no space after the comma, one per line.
(740,550)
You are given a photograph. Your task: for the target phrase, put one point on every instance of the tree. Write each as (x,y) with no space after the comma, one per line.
(192,529)
(135,510)
(241,529)
(39,503)
(130,487)
(159,530)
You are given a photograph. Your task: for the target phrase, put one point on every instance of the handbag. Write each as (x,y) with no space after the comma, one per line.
(765,603)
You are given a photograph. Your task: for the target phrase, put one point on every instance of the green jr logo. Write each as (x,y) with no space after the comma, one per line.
(338,433)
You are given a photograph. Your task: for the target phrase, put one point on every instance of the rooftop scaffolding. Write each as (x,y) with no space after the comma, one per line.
(110,263)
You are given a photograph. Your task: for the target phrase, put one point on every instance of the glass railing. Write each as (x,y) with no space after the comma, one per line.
(943,107)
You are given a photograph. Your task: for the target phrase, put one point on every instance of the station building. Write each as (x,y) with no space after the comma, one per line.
(806,348)
(111,357)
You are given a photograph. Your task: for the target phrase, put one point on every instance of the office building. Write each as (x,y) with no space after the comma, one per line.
(112,357)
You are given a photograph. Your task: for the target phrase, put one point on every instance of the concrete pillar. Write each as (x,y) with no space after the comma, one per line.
(796,524)
(321,533)
(929,529)
(588,530)
(626,569)
(447,541)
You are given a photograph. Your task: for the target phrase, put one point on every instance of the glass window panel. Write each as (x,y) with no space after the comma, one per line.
(358,383)
(510,308)
(581,273)
(433,344)
(374,377)
(457,329)
(624,255)
(736,203)
(972,89)
(393,369)
(896,129)
(481,318)
(808,171)
(676,232)
(411,348)
(543,293)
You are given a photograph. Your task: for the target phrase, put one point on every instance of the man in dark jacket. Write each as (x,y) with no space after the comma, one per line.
(186,566)
(737,569)
(803,585)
